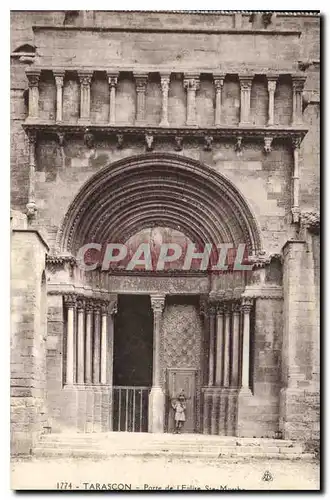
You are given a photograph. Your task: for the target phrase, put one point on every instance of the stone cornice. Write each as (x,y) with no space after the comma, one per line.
(263,292)
(143,70)
(172,29)
(132,130)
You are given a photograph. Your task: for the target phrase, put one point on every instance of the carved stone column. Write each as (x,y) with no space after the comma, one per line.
(218,83)
(296,141)
(111,319)
(112,79)
(85,78)
(33,78)
(191,84)
(104,342)
(235,368)
(141,87)
(70,304)
(80,341)
(298,83)
(156,397)
(272,80)
(219,346)
(165,84)
(212,333)
(246,309)
(96,344)
(226,347)
(89,342)
(245,85)
(31,208)
(59,77)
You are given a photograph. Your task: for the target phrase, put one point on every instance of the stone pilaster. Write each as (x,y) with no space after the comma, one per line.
(245,86)
(246,309)
(218,83)
(165,85)
(85,78)
(226,347)
(219,346)
(104,342)
(31,208)
(33,78)
(59,78)
(212,333)
(272,81)
(112,80)
(70,304)
(191,84)
(156,397)
(96,343)
(80,341)
(89,342)
(295,210)
(299,397)
(298,83)
(141,81)
(235,368)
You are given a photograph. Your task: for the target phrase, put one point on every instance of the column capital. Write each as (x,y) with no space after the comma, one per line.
(112,78)
(85,78)
(80,303)
(271,84)
(218,81)
(298,82)
(141,80)
(32,137)
(296,142)
(59,77)
(113,307)
(220,309)
(212,308)
(165,81)
(33,76)
(191,82)
(70,300)
(236,308)
(97,306)
(247,304)
(157,303)
(89,305)
(246,81)
(226,308)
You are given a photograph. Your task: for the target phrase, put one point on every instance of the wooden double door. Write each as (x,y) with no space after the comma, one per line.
(179,379)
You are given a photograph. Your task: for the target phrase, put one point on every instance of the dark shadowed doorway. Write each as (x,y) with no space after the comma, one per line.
(132,363)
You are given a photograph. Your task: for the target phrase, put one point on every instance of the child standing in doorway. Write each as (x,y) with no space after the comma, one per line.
(179,407)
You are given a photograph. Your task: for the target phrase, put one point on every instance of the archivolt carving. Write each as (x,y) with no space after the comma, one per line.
(145,190)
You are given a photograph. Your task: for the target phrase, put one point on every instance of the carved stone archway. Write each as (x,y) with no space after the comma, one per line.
(159,189)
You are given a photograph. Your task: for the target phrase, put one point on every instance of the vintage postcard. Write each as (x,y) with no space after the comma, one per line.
(165,180)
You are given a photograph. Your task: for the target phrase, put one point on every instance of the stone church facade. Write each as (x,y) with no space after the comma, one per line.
(201,127)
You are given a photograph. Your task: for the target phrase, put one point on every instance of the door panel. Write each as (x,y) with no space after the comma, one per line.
(178,379)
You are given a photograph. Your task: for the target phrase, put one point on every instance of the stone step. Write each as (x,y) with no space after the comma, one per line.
(267,447)
(101,454)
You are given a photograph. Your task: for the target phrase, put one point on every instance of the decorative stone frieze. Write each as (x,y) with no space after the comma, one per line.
(178,139)
(268,144)
(208,140)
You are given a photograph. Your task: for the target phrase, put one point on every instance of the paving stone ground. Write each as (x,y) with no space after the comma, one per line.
(161,473)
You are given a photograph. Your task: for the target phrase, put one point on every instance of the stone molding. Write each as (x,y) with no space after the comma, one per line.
(263,292)
(201,176)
